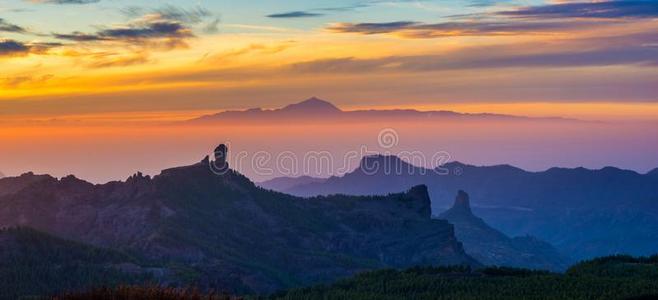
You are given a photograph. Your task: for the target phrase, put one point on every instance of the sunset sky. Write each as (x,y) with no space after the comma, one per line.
(63,57)
(112,61)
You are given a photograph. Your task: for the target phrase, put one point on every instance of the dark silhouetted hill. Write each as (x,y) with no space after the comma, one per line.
(225,232)
(586,213)
(607,278)
(35,263)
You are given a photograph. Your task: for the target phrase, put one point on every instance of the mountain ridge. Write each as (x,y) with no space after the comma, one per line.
(653,172)
(312,105)
(232,234)
(284,183)
(315,109)
(589,213)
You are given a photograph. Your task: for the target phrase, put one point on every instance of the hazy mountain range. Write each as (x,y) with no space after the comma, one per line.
(191,225)
(585,213)
(315,109)
(493,248)
(486,244)
(222,231)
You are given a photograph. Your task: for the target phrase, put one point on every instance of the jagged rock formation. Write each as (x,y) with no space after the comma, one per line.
(230,234)
(586,213)
(491,247)
(220,163)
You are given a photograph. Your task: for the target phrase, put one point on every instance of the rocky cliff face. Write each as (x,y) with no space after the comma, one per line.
(491,247)
(586,213)
(232,234)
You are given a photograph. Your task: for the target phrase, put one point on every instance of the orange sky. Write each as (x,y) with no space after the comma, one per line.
(590,66)
(75,77)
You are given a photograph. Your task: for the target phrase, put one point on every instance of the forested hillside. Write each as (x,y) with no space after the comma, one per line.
(35,263)
(615,277)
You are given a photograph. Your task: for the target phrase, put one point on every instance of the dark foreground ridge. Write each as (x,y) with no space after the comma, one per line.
(35,263)
(219,230)
(608,278)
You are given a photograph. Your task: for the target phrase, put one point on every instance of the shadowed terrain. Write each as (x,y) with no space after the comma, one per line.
(222,231)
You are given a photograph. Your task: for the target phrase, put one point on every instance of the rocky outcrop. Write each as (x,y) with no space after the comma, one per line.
(492,247)
(221,159)
(234,235)
(585,213)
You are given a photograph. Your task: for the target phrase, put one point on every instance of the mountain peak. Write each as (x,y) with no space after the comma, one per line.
(462,203)
(313,105)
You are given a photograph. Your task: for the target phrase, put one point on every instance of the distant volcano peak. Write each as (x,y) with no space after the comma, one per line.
(314,105)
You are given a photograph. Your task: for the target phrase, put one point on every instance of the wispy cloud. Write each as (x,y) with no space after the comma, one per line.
(551,18)
(162,29)
(168,25)
(17,81)
(18,48)
(11,48)
(408,29)
(593,9)
(64,1)
(261,49)
(120,60)
(9,27)
(295,14)
(633,49)
(146,29)
(194,15)
(322,11)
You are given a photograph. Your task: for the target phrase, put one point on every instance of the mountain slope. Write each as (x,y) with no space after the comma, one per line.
(491,247)
(35,263)
(586,213)
(312,105)
(285,183)
(609,278)
(653,172)
(231,234)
